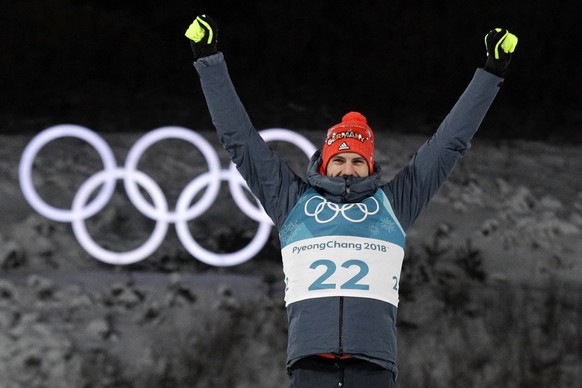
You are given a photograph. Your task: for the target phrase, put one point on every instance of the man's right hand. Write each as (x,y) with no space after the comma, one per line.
(203,35)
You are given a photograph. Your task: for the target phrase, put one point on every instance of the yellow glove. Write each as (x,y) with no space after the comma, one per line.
(203,35)
(500,44)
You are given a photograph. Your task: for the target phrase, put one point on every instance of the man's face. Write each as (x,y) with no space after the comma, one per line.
(347,163)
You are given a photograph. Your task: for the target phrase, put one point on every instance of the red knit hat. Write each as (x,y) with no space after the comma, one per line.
(351,135)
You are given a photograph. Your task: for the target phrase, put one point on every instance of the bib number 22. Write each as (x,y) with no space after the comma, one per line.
(351,284)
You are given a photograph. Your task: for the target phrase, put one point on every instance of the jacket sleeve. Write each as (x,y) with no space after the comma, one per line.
(270,179)
(413,187)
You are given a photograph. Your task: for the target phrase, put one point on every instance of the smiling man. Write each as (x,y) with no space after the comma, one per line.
(349,148)
(342,232)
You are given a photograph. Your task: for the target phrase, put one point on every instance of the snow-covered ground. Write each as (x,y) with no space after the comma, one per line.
(490,293)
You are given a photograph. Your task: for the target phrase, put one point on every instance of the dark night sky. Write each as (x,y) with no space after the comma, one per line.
(125,65)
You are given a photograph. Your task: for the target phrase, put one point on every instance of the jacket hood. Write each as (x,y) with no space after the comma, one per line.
(342,188)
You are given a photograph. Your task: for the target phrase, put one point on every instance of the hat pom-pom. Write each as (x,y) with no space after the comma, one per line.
(354,116)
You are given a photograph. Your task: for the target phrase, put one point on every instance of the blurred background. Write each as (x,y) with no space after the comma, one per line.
(126,65)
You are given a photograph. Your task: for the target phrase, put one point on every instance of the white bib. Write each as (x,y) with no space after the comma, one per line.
(342,266)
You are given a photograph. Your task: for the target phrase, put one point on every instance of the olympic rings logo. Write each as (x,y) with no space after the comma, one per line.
(353,212)
(133,179)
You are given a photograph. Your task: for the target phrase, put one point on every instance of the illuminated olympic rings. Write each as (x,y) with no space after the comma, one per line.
(82,208)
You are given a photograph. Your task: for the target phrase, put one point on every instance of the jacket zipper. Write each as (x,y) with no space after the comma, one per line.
(348,182)
(341,322)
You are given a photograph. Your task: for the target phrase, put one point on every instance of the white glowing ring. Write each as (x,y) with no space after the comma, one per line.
(204,255)
(31,151)
(237,183)
(196,140)
(159,212)
(80,229)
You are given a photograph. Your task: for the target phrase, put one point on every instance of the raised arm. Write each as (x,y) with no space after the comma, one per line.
(270,179)
(414,186)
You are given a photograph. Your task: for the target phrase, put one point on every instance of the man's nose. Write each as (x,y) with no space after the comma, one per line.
(348,169)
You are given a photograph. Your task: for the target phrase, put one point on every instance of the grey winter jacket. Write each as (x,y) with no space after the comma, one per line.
(364,328)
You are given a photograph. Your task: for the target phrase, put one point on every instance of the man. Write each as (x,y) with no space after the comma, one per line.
(343,233)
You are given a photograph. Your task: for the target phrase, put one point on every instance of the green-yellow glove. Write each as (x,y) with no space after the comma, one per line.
(203,35)
(499,44)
